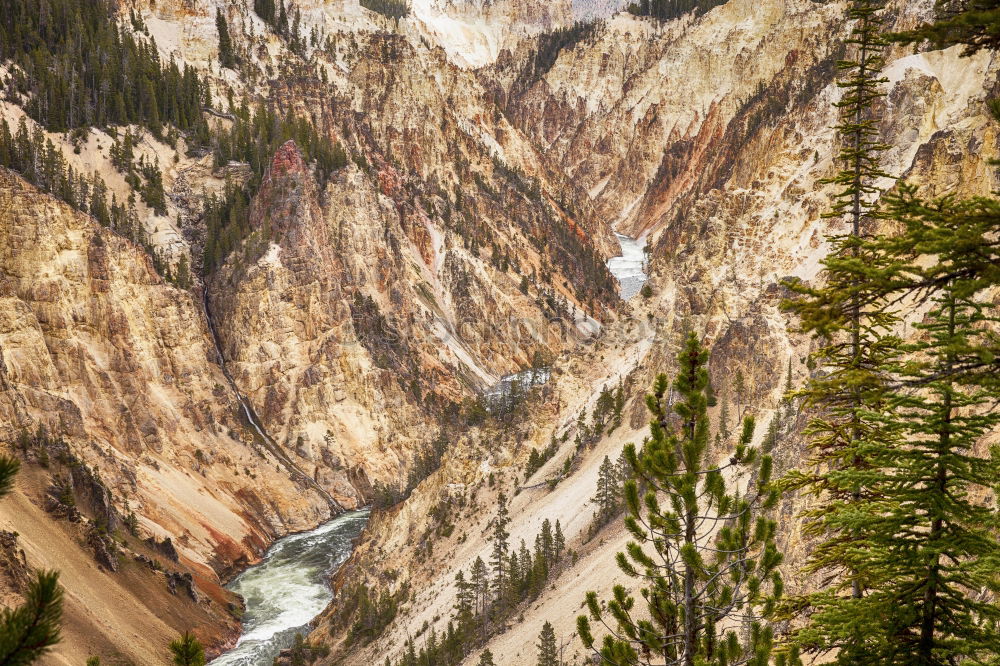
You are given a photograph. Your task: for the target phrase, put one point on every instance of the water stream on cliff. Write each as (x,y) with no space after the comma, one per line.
(630,266)
(247,411)
(289,588)
(251,416)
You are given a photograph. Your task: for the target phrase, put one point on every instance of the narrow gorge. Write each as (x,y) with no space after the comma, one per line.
(367,332)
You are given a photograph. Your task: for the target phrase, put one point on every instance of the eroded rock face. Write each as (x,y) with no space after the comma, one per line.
(637,111)
(13,565)
(95,346)
(465,240)
(357,320)
(722,165)
(452,253)
(474,32)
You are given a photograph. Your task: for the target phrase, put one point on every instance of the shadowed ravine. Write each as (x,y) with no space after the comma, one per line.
(289,588)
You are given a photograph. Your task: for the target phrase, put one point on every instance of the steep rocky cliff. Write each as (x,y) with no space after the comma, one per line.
(710,136)
(98,351)
(360,317)
(96,347)
(490,158)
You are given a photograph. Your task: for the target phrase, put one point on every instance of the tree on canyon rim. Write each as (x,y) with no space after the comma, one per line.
(849,436)
(907,541)
(711,575)
(28,631)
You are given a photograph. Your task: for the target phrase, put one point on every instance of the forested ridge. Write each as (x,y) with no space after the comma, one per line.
(76,65)
(665,10)
(252,138)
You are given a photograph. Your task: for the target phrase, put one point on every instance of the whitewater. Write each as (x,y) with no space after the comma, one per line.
(630,266)
(289,588)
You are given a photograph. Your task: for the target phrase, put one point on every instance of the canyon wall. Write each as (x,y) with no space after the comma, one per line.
(490,159)
(711,136)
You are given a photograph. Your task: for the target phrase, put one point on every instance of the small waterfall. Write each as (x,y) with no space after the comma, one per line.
(629,268)
(269,443)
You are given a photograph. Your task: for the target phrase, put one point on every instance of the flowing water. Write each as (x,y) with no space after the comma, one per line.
(289,588)
(286,591)
(630,266)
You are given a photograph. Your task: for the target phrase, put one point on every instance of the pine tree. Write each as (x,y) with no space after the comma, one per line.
(724,420)
(546,542)
(854,430)
(227,58)
(265,9)
(772,435)
(410,658)
(712,573)
(939,540)
(480,581)
(465,600)
(532,569)
(623,472)
(559,542)
(517,578)
(8,470)
(486,659)
(28,631)
(183,272)
(187,651)
(740,390)
(501,549)
(548,651)
(607,495)
(787,397)
(973,23)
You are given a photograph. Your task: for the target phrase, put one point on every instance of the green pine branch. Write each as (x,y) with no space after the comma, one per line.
(28,631)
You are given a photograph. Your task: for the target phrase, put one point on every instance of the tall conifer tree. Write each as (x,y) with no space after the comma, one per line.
(227,58)
(499,559)
(850,436)
(940,547)
(548,651)
(712,572)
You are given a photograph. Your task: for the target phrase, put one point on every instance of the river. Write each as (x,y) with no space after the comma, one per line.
(630,266)
(289,588)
